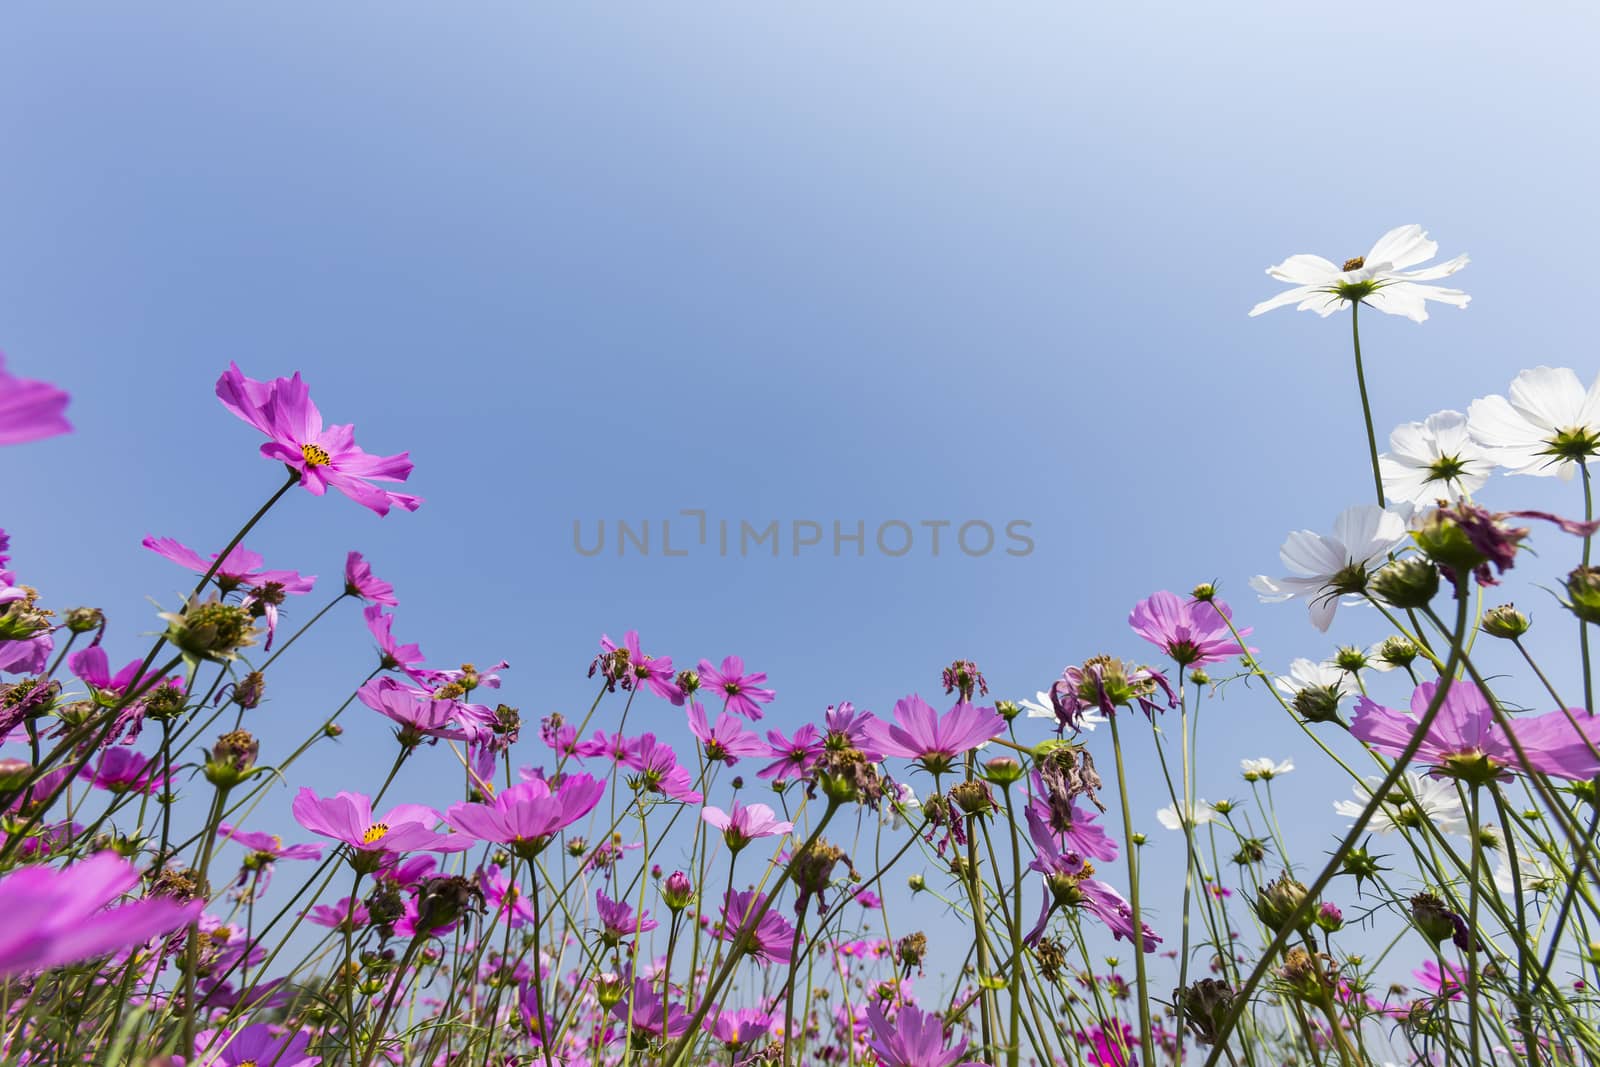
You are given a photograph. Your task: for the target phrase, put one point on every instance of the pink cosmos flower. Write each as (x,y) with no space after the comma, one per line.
(851,728)
(505,898)
(651,1014)
(60,916)
(29,410)
(529,813)
(418,713)
(108,690)
(122,771)
(617,920)
(627,665)
(347,817)
(338,916)
(1192,632)
(920,733)
(726,741)
(747,823)
(1108,1048)
(735,1028)
(769,937)
(740,690)
(1465,741)
(270,846)
(1105,684)
(658,765)
(392,655)
(1068,885)
(915,1038)
(1448,981)
(359,581)
(794,758)
(324,456)
(241,567)
(27,647)
(260,1044)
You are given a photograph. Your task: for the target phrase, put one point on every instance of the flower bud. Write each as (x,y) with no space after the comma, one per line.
(1002,771)
(1304,978)
(1435,922)
(211,630)
(1408,582)
(14,774)
(82,620)
(1251,850)
(247,692)
(677,892)
(1206,1006)
(1279,900)
(1443,540)
(1007,709)
(1583,591)
(1205,592)
(916,883)
(231,758)
(688,682)
(972,797)
(441,901)
(1329,917)
(1318,703)
(609,989)
(1505,622)
(1397,651)
(1350,658)
(1360,864)
(1199,677)
(333,729)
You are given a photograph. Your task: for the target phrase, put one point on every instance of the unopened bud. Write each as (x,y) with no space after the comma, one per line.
(1505,621)
(1409,582)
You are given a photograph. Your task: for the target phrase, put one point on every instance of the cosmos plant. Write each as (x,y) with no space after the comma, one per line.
(201,865)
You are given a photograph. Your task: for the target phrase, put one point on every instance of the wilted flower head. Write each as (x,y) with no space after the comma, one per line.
(1105,684)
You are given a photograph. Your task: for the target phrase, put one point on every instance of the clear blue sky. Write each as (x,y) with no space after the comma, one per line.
(914,261)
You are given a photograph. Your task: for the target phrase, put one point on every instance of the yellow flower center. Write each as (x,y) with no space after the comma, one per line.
(315,455)
(1354,264)
(374,832)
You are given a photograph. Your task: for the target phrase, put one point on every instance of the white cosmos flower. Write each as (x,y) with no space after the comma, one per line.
(1040,707)
(1264,769)
(1436,801)
(1537,875)
(1434,458)
(1202,814)
(1323,569)
(1547,425)
(903,801)
(1308,674)
(1378,279)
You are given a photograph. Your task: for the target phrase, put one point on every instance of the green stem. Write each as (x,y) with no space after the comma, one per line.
(1366,406)
(1146,1033)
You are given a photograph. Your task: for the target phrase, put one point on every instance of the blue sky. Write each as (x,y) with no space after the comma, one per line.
(908,262)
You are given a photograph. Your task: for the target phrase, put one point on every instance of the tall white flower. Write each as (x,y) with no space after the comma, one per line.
(1435,801)
(1537,875)
(902,802)
(1199,816)
(1264,769)
(1549,424)
(1324,570)
(1040,707)
(1378,279)
(1434,458)
(1308,674)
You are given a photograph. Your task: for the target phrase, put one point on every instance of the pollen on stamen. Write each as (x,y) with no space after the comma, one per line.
(1354,264)
(375,832)
(315,455)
